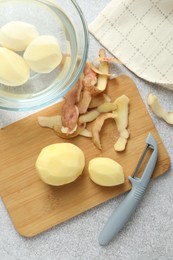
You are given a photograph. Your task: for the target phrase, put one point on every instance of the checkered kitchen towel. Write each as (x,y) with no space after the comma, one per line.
(140,34)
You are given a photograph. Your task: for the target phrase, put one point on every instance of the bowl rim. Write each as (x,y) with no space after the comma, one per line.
(32,104)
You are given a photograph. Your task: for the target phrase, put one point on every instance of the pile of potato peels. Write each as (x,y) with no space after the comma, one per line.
(87,102)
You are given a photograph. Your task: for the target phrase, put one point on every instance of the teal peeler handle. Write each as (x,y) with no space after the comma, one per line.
(122,214)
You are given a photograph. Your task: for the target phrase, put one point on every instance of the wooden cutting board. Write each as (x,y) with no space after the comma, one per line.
(34,206)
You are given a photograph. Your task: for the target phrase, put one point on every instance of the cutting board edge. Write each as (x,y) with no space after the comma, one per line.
(33,234)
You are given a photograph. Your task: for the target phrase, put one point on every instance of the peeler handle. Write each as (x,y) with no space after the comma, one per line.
(124,211)
(122,214)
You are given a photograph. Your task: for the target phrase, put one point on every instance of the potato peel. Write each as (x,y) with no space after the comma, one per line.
(107,107)
(89,82)
(69,111)
(89,116)
(124,134)
(90,77)
(97,126)
(122,112)
(158,110)
(49,121)
(99,100)
(86,133)
(98,71)
(77,132)
(109,59)
(104,59)
(84,101)
(121,120)
(120,144)
(104,67)
(69,119)
(89,92)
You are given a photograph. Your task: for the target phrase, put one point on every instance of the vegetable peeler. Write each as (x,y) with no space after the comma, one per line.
(124,211)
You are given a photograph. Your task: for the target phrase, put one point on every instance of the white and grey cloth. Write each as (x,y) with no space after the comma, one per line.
(140,34)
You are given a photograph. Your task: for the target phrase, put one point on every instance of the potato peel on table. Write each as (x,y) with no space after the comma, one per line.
(158,110)
(99,100)
(77,132)
(70,112)
(121,121)
(107,107)
(89,116)
(54,122)
(90,77)
(120,144)
(84,101)
(50,121)
(98,123)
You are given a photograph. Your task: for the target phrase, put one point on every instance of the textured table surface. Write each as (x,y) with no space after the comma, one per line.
(147,236)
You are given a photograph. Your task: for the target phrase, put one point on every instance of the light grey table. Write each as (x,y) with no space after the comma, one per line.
(147,236)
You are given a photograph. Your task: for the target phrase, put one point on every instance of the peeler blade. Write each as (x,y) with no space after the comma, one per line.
(140,161)
(147,173)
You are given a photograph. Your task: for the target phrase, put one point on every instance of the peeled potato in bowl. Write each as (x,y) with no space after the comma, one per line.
(59,164)
(43,54)
(17,35)
(13,69)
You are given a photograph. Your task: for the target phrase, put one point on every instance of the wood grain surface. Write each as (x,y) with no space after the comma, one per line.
(34,206)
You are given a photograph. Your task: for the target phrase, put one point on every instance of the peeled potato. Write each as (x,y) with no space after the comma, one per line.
(13,69)
(43,54)
(16,35)
(105,172)
(59,164)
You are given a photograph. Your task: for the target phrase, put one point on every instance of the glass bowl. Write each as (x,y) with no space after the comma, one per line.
(62,19)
